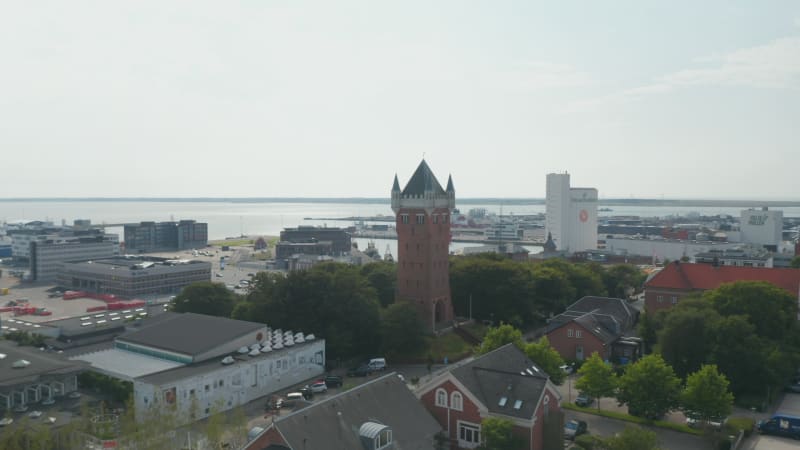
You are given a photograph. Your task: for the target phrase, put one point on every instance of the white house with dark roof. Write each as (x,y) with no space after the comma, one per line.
(193,362)
(503,383)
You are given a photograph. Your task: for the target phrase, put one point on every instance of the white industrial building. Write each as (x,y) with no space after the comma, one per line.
(661,249)
(571,214)
(196,363)
(47,256)
(761,227)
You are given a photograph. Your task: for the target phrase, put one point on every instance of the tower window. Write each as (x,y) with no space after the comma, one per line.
(421,219)
(404,218)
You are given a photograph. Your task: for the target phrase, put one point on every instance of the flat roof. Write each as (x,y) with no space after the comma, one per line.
(190,333)
(189,370)
(120,265)
(124,364)
(42,364)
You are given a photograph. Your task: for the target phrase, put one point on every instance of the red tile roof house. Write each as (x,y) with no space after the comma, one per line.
(677,280)
(595,325)
(503,383)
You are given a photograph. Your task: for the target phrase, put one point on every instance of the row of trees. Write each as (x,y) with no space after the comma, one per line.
(747,329)
(355,310)
(491,287)
(651,388)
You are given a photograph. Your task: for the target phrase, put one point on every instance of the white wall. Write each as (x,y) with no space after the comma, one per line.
(762,227)
(241,382)
(672,250)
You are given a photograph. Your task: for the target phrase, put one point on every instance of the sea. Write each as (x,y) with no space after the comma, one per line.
(269,217)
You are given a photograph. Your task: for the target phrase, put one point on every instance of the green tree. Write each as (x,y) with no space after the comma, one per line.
(740,354)
(499,336)
(621,280)
(498,435)
(334,301)
(772,310)
(402,331)
(492,288)
(647,331)
(205,297)
(547,358)
(686,338)
(649,387)
(632,438)
(382,276)
(553,291)
(706,394)
(597,378)
(215,425)
(796,262)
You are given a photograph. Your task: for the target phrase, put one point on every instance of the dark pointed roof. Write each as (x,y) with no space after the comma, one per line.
(450,184)
(396,185)
(549,246)
(423,181)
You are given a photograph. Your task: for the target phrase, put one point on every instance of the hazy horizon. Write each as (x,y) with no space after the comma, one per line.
(645,100)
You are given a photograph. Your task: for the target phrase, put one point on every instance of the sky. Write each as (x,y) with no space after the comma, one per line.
(293,98)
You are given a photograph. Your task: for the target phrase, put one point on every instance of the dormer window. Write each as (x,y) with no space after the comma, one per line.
(375,436)
(518,404)
(383,439)
(503,401)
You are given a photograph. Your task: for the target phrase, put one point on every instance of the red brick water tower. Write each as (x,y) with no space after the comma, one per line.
(422,216)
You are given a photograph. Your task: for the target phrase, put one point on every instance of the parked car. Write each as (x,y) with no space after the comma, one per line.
(20,408)
(35,414)
(360,371)
(50,420)
(566,368)
(307,392)
(694,421)
(290,400)
(793,387)
(318,386)
(574,428)
(49,401)
(376,364)
(584,400)
(6,421)
(333,381)
(74,394)
(781,425)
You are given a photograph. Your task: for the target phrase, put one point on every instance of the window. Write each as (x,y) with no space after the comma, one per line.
(420,219)
(456,401)
(518,404)
(441,398)
(502,401)
(578,334)
(660,299)
(383,439)
(435,218)
(221,383)
(674,300)
(469,435)
(207,387)
(569,332)
(404,218)
(444,218)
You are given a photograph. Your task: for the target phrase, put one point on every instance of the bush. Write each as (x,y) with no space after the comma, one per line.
(735,424)
(586,441)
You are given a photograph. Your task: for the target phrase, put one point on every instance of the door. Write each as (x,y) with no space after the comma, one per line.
(579,352)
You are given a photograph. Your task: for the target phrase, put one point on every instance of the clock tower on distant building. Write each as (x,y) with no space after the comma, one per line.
(422,218)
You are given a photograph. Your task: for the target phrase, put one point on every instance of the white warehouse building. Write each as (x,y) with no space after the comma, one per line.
(761,227)
(196,363)
(570,214)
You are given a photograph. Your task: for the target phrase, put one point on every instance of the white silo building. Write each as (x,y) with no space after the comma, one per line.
(571,214)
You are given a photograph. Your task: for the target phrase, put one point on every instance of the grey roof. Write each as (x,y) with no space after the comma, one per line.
(190,333)
(504,373)
(450,187)
(396,184)
(423,181)
(334,423)
(43,365)
(604,317)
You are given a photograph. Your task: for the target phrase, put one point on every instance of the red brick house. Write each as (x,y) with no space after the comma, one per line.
(677,280)
(595,325)
(503,383)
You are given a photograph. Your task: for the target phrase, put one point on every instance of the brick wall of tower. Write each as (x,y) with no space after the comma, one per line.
(422,263)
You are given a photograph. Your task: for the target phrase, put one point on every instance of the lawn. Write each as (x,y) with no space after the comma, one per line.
(232,242)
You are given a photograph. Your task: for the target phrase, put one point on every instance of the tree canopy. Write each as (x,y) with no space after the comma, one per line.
(772,310)
(706,394)
(649,387)
(631,438)
(499,336)
(205,297)
(401,329)
(498,435)
(597,378)
(547,358)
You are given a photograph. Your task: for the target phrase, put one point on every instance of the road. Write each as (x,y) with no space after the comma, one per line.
(790,404)
(669,440)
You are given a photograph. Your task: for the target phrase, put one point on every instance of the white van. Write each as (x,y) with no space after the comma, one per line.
(376,364)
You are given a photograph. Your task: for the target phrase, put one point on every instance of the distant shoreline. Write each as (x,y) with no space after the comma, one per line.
(461,201)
